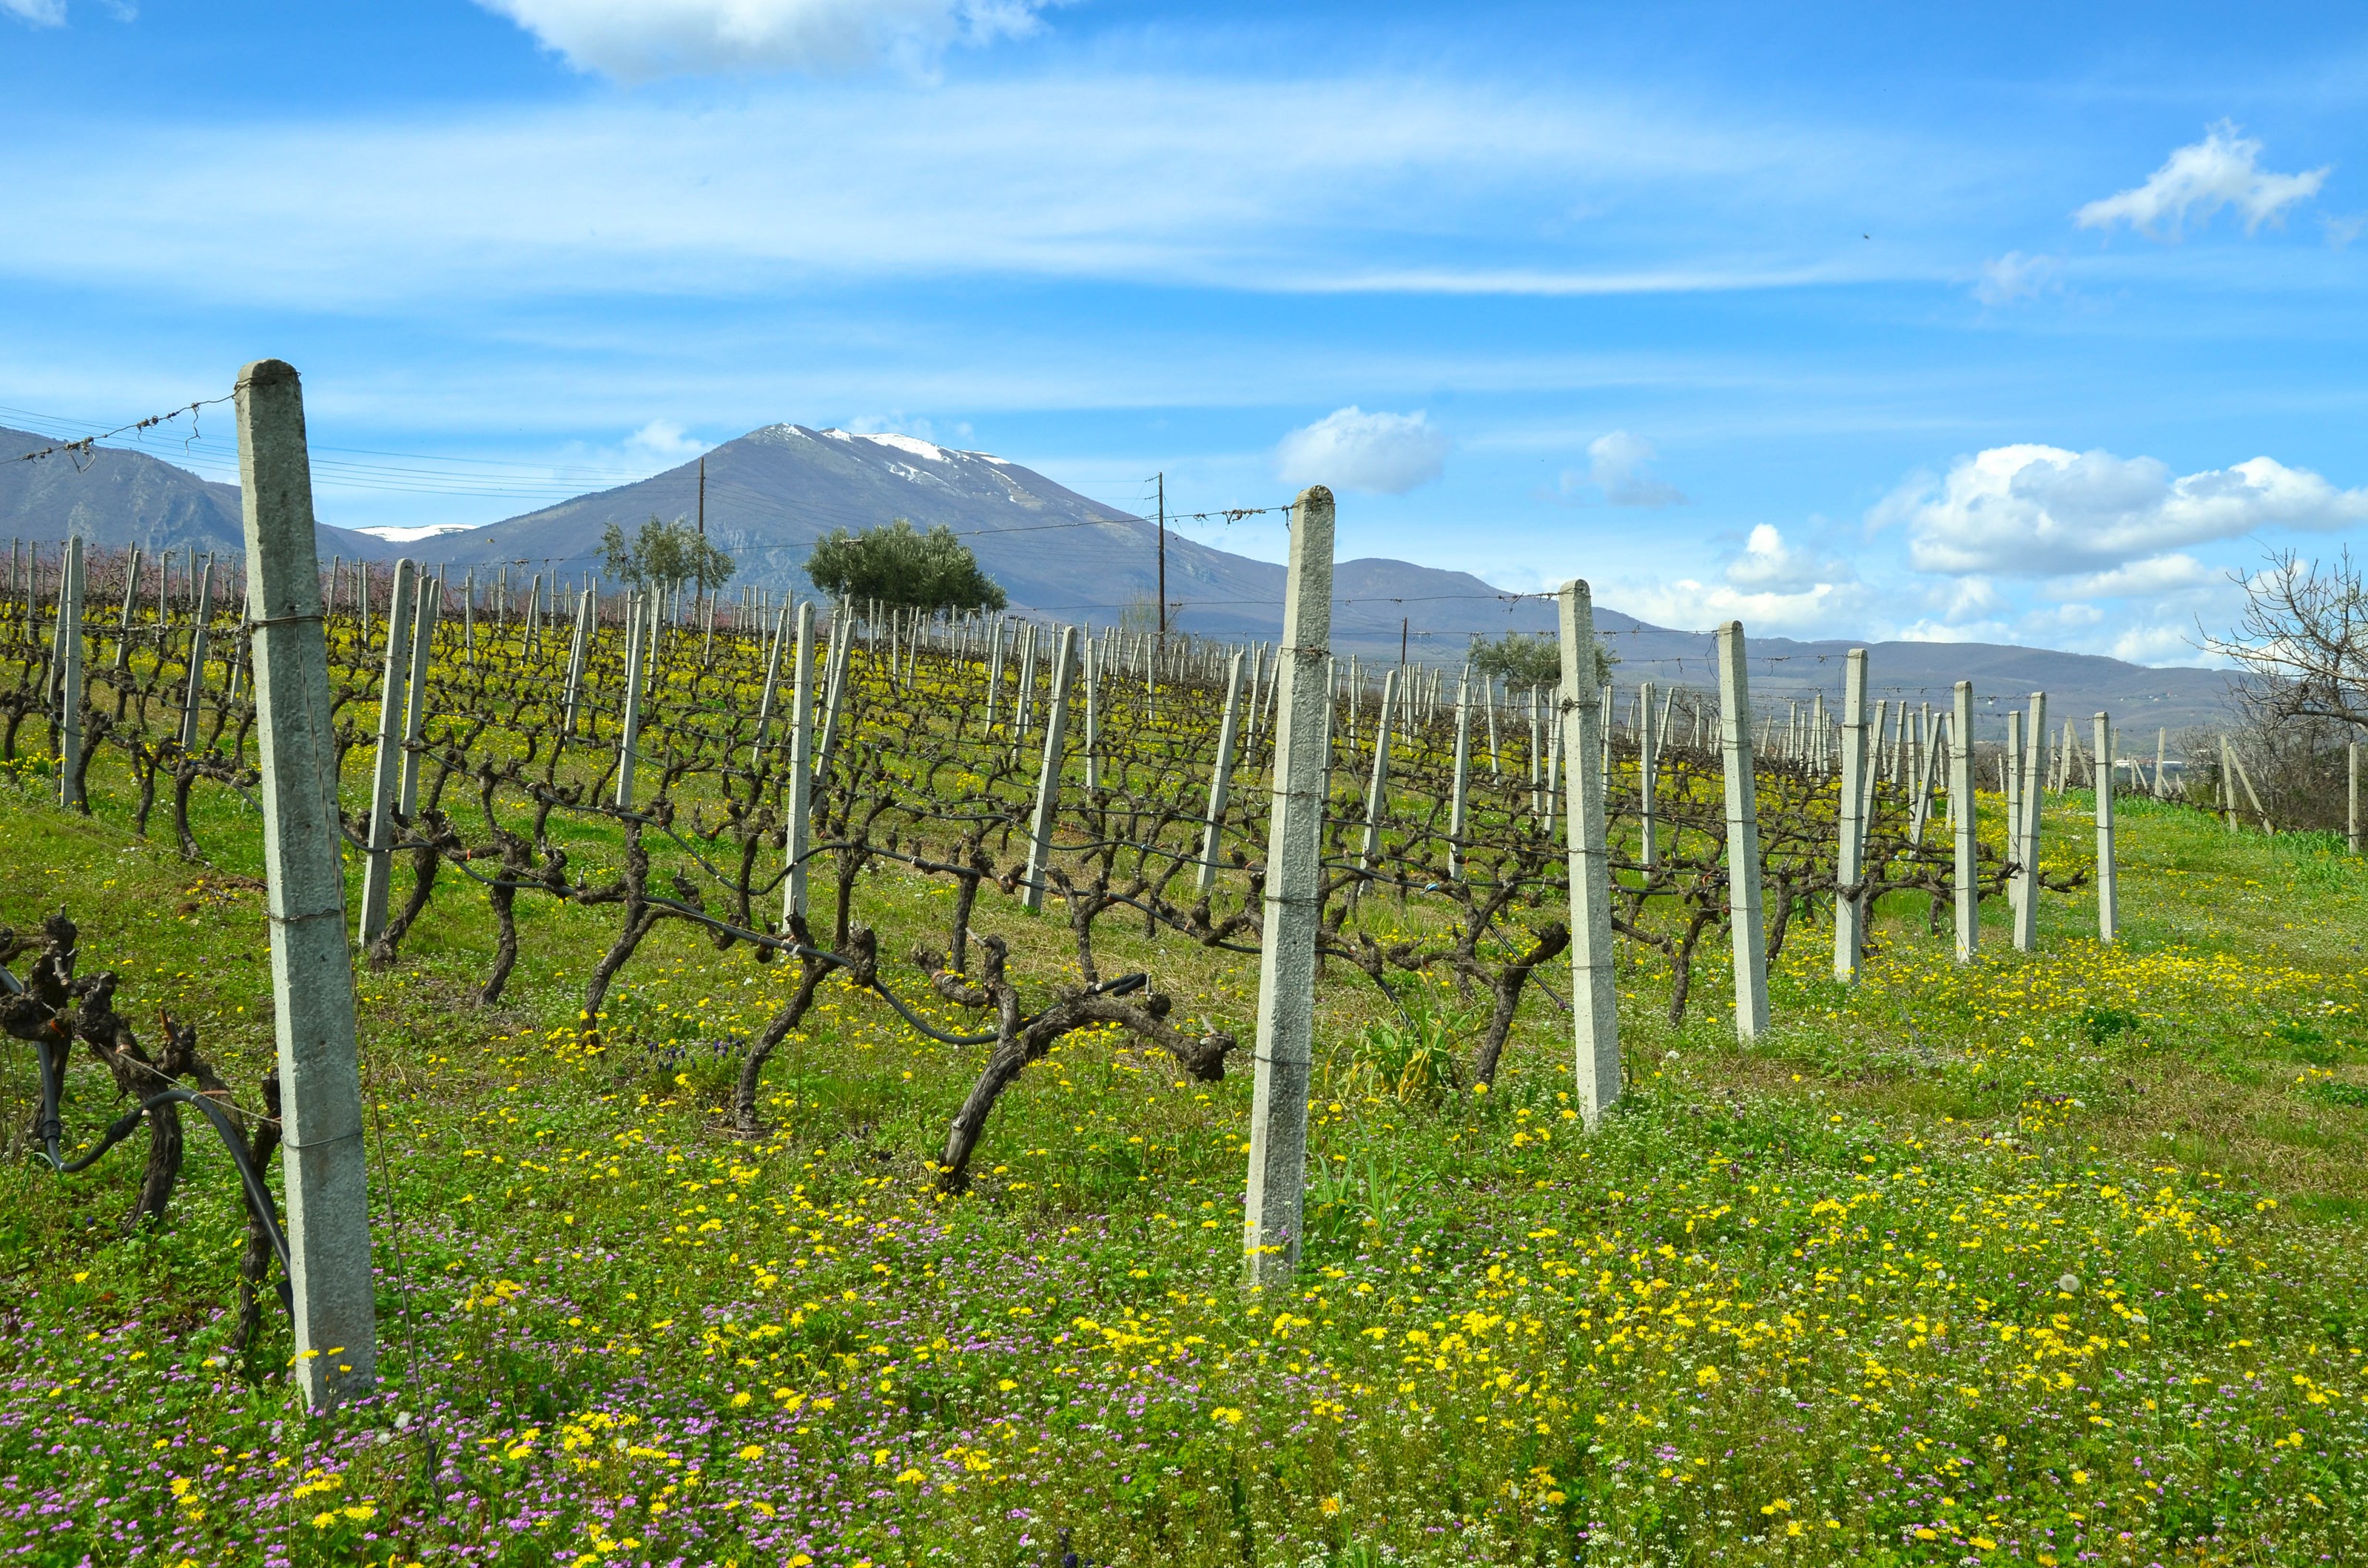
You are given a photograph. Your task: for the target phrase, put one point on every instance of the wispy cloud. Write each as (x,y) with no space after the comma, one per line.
(2014,277)
(2199,180)
(636,39)
(1440,186)
(37,13)
(1381,454)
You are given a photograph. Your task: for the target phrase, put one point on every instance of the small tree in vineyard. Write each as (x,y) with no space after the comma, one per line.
(899,565)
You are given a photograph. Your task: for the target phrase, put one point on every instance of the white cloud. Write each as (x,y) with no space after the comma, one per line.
(2032,510)
(637,40)
(1385,454)
(1769,586)
(2157,645)
(1616,467)
(664,442)
(1770,566)
(2197,181)
(2161,574)
(37,13)
(2015,276)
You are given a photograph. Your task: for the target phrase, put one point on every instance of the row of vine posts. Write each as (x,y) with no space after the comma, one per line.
(745,769)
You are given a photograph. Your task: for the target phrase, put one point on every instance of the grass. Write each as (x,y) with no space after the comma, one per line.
(2052,1259)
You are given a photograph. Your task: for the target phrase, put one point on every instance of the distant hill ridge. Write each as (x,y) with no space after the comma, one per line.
(773,493)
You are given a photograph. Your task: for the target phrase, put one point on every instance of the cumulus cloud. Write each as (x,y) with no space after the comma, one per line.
(637,40)
(2195,182)
(1768,564)
(664,441)
(1768,584)
(1382,454)
(1616,464)
(2032,510)
(2015,276)
(2140,579)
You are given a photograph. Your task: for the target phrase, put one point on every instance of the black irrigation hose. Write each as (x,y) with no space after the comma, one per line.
(258,1195)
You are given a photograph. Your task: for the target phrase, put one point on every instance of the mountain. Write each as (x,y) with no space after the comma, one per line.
(774,491)
(113,497)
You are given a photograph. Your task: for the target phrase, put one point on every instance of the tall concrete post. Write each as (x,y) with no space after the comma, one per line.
(1851,851)
(1965,819)
(378,867)
(1594,986)
(2108,912)
(1093,673)
(130,601)
(1048,780)
(2351,798)
(312,968)
(1295,872)
(579,653)
(639,608)
(197,683)
(414,722)
(772,684)
(70,676)
(2026,915)
(1459,803)
(1377,792)
(1648,759)
(798,840)
(1744,910)
(1221,777)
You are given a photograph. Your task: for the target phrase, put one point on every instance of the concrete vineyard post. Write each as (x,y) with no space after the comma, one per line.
(131,598)
(2011,785)
(579,653)
(637,610)
(1742,835)
(2102,779)
(1377,790)
(1286,1005)
(377,868)
(1648,755)
(834,694)
(197,682)
(1963,819)
(1048,781)
(772,684)
(1221,777)
(1458,804)
(1093,671)
(414,723)
(1594,987)
(2026,915)
(1851,850)
(70,673)
(798,834)
(2351,797)
(312,968)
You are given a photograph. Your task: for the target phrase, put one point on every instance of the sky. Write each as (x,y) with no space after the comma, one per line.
(2007,324)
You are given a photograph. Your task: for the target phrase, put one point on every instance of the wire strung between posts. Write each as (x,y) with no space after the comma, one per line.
(85,447)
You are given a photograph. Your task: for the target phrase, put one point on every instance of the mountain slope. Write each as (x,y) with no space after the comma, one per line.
(773,493)
(115,499)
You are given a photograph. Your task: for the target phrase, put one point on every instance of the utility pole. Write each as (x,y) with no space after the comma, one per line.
(1161,479)
(1404,621)
(703,536)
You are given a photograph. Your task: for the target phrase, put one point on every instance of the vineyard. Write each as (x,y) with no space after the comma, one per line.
(811,1053)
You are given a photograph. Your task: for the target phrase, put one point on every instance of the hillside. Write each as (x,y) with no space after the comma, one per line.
(773,493)
(115,497)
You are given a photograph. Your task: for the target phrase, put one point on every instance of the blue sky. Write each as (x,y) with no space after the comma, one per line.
(2018,324)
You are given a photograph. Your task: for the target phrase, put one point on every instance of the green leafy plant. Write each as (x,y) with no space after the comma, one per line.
(899,565)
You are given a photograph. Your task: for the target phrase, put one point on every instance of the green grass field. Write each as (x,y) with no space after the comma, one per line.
(2056,1259)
